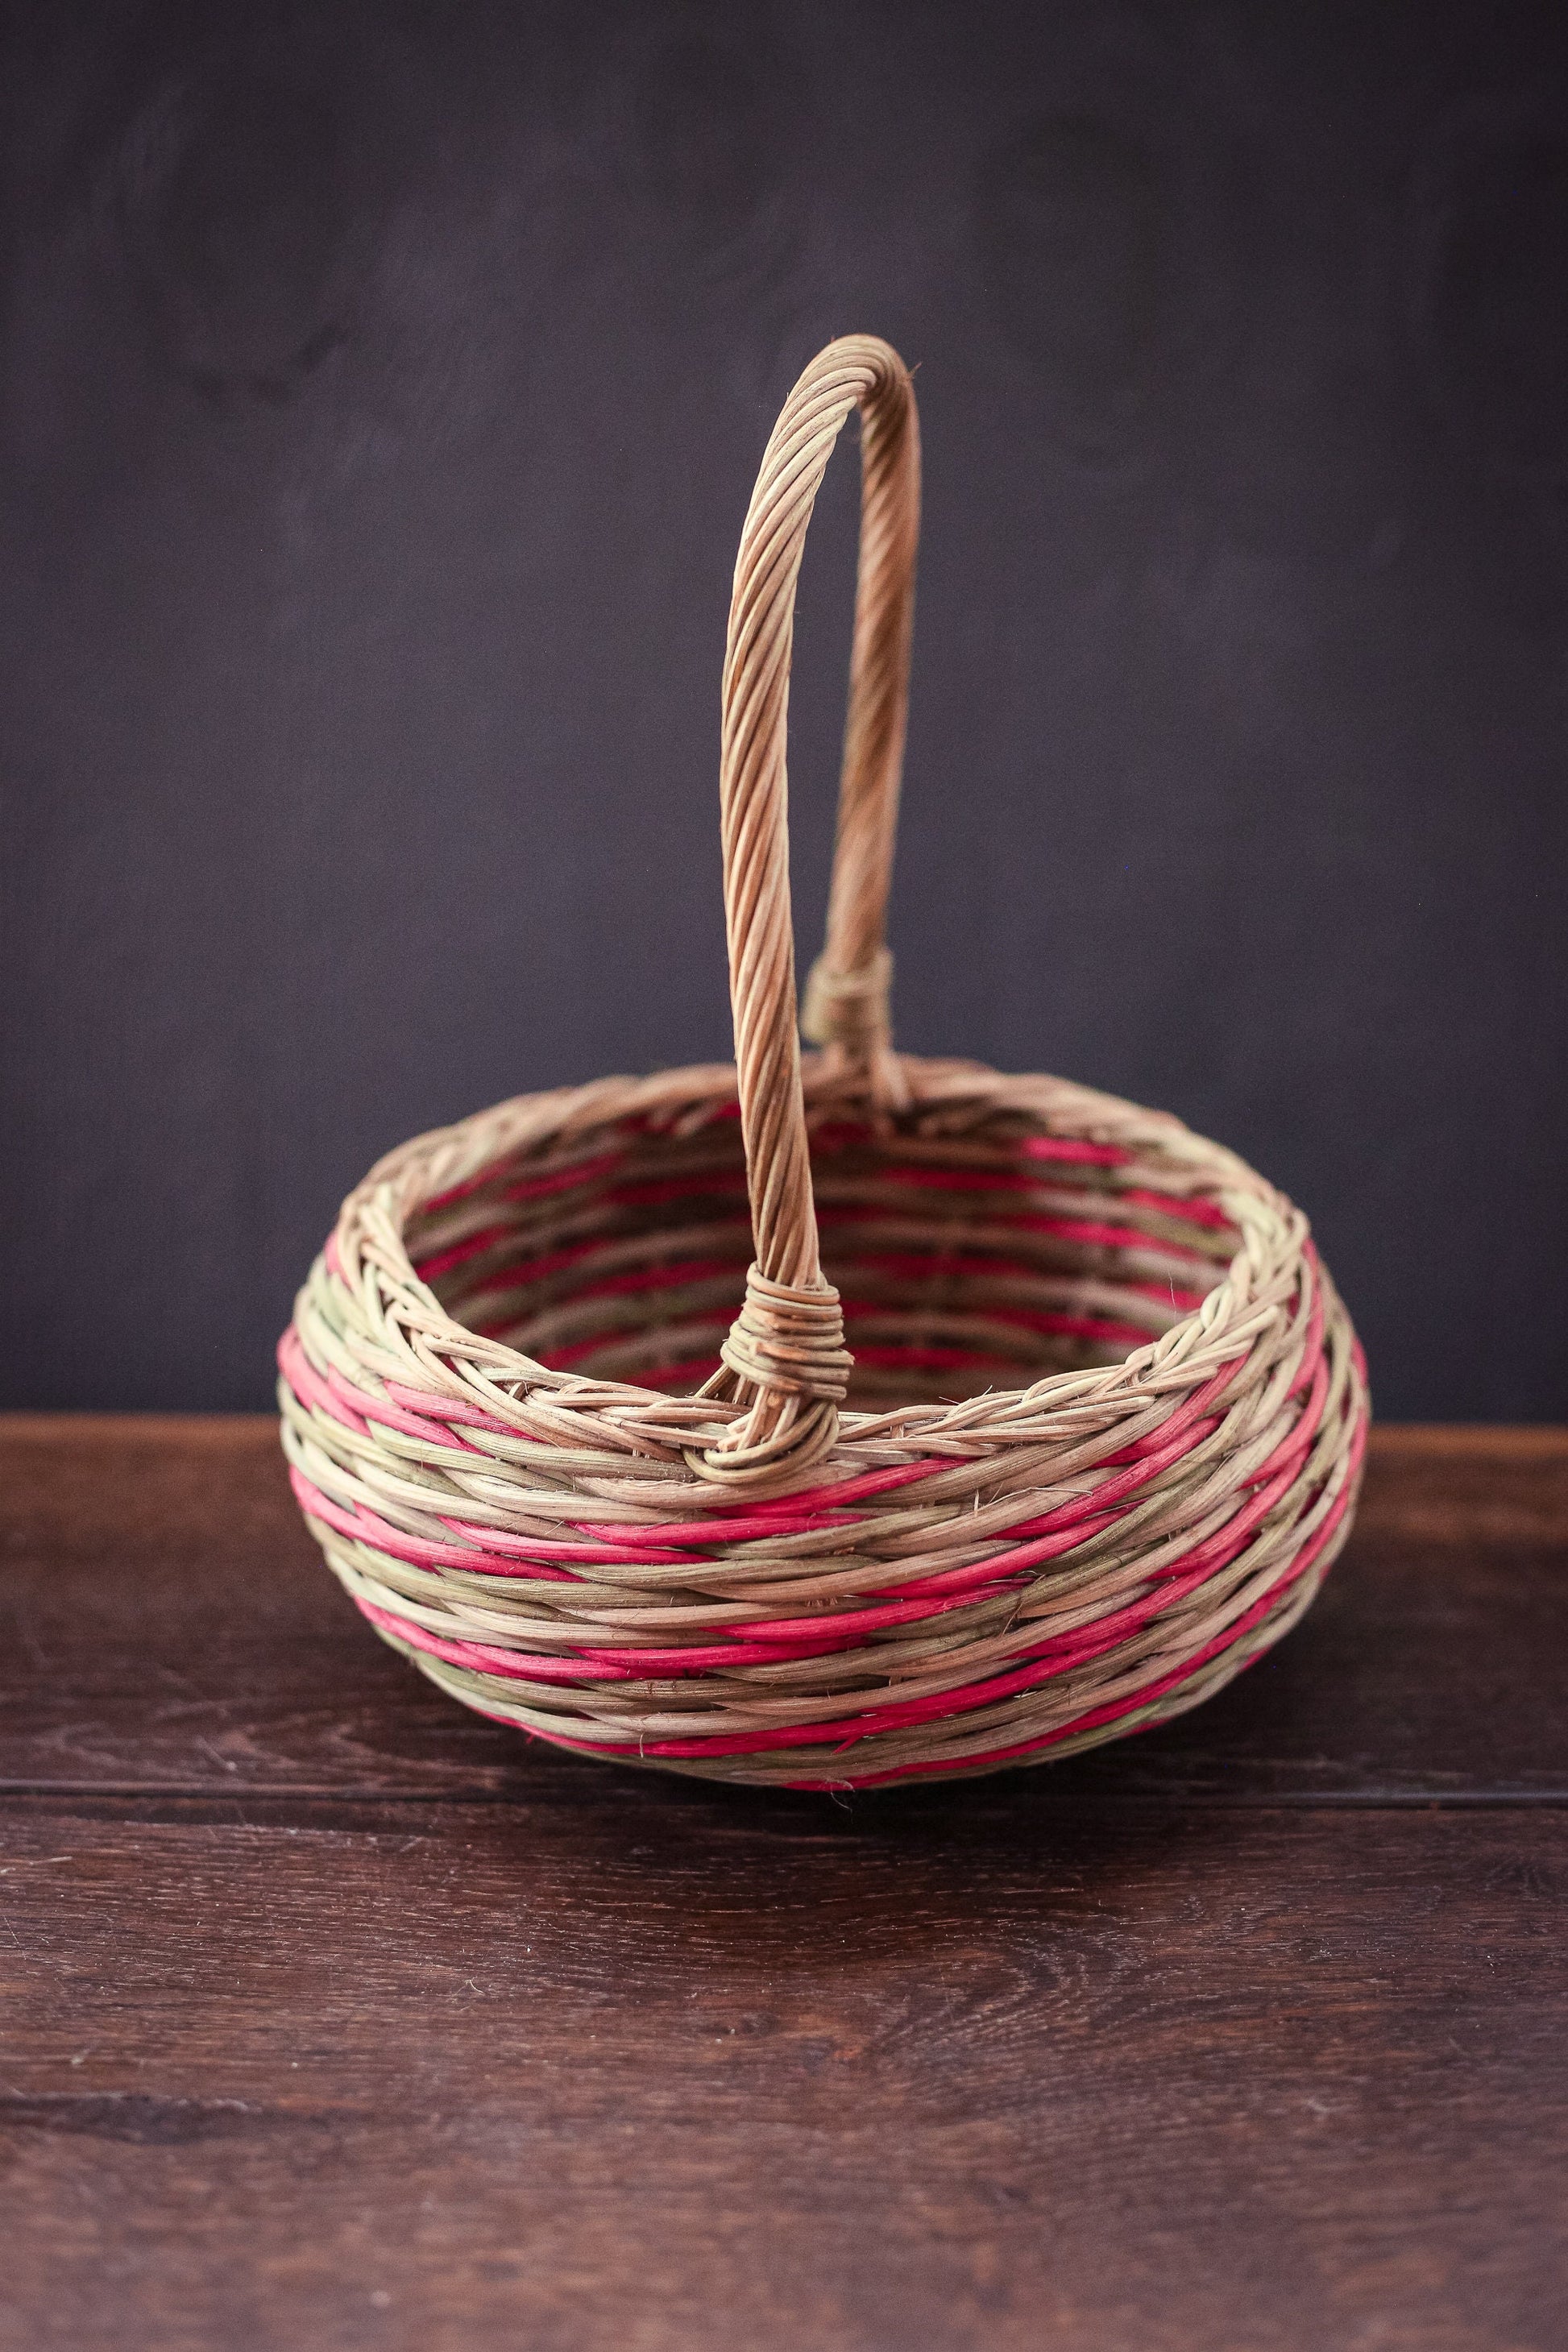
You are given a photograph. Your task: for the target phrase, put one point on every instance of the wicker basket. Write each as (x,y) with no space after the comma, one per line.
(567,1397)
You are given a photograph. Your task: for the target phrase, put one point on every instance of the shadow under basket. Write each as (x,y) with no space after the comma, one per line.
(824,1422)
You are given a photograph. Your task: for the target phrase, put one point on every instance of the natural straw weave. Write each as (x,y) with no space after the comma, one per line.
(567,1397)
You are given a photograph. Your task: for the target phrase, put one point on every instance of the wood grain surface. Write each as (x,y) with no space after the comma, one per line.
(334,2017)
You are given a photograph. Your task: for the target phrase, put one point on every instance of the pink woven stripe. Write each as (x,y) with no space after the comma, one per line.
(1170,1204)
(354,1408)
(1114,1710)
(1072,1148)
(800,1513)
(430,1269)
(524,1270)
(838,1217)
(784,1639)
(597,1665)
(367,1527)
(925,1179)
(500,1546)
(1004,1570)
(853,1732)
(890,1358)
(1058,1653)
(910,1266)
(1051,1322)
(437,1407)
(489,1551)
(308,1386)
(891,1353)
(831,1137)
(658,1192)
(398,1416)
(1097,1232)
(971,1264)
(562,1359)
(1060,1531)
(481,1550)
(561,1180)
(525,1188)
(1193,1408)
(664,1278)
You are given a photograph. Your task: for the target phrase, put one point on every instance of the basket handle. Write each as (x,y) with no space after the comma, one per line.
(784,1359)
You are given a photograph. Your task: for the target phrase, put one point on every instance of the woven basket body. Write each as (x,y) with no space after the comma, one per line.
(836,1422)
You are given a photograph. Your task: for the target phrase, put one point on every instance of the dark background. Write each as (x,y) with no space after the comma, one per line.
(384,390)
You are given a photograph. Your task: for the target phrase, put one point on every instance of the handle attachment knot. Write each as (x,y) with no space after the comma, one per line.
(786,1349)
(850,1008)
(789,1339)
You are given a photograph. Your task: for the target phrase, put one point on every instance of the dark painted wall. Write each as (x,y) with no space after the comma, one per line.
(385,386)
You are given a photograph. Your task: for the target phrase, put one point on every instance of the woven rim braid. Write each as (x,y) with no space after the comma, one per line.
(827,1420)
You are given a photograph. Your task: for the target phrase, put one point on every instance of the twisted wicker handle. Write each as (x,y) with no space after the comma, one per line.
(784,1357)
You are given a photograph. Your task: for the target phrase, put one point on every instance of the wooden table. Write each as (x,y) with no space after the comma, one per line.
(336,2017)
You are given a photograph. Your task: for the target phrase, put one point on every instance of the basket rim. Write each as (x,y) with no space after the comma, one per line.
(442,1162)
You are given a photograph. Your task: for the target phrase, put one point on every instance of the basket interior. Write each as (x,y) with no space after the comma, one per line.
(965,1262)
